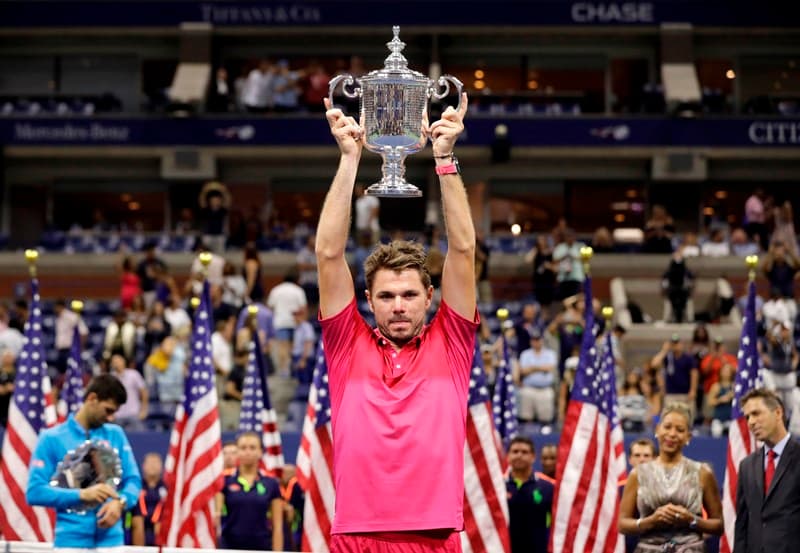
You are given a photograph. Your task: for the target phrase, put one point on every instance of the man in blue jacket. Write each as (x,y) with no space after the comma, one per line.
(99,525)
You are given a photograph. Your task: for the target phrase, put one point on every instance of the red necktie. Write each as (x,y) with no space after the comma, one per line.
(769,472)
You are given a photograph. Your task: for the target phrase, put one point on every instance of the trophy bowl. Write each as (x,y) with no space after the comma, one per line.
(393,105)
(93,462)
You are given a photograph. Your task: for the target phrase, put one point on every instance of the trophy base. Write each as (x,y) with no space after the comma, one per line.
(400,190)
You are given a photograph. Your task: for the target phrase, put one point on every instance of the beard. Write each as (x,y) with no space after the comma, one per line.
(400,337)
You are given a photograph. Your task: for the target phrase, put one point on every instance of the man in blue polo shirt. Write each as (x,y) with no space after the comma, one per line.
(89,517)
(530,500)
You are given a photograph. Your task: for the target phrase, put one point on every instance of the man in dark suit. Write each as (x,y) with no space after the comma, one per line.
(768,492)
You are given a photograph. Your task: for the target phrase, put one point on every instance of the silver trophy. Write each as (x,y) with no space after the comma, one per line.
(93,462)
(393,103)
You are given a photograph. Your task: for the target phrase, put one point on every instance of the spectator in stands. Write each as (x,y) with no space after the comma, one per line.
(566,382)
(304,342)
(316,87)
(7,376)
(781,268)
(130,284)
(690,245)
(120,337)
(653,387)
(537,371)
(664,499)
(11,339)
(147,272)
(634,411)
(549,460)
(367,213)
(166,368)
(307,272)
(219,98)
(18,315)
(145,515)
(784,228)
(230,455)
(720,398)
(716,246)
(755,218)
(263,323)
(567,257)
(712,363)
(676,285)
(234,287)
(529,323)
(215,201)
(286,89)
(133,412)
(251,271)
(284,300)
(701,342)
(543,276)
(567,327)
(434,264)
(185,224)
(249,509)
(66,321)
(742,245)
(222,351)
(679,378)
(780,362)
(138,315)
(257,91)
(530,499)
(778,309)
(602,241)
(658,231)
(234,383)
(156,329)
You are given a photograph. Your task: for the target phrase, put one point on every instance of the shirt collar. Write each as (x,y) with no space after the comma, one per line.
(779,447)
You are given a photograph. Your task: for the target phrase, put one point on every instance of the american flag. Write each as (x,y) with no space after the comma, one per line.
(591,457)
(741,441)
(71,396)
(193,469)
(504,400)
(257,414)
(31,409)
(315,462)
(485,506)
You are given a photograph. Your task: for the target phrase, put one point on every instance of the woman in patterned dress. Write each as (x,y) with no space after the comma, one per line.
(664,499)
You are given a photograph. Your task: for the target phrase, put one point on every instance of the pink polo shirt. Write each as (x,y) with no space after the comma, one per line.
(398,422)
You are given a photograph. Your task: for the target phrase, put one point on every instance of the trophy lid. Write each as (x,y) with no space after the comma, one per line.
(396,65)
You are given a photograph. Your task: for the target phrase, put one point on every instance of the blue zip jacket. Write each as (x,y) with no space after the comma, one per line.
(79,529)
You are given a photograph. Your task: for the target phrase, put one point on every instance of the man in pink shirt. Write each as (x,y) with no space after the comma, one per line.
(399,391)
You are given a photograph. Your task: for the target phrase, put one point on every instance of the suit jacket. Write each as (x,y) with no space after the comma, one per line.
(771,523)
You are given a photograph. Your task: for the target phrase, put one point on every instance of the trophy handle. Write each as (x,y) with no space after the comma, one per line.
(444,84)
(348,81)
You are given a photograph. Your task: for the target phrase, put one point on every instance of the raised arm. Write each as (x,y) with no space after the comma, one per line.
(335,281)
(458,274)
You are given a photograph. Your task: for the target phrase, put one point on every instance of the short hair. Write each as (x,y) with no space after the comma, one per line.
(679,408)
(770,398)
(229,443)
(398,255)
(249,434)
(522,440)
(107,386)
(646,442)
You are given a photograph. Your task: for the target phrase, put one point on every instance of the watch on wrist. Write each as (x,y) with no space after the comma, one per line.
(122,501)
(452,168)
(693,523)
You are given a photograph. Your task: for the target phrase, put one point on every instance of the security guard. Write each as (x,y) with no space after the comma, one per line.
(530,500)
